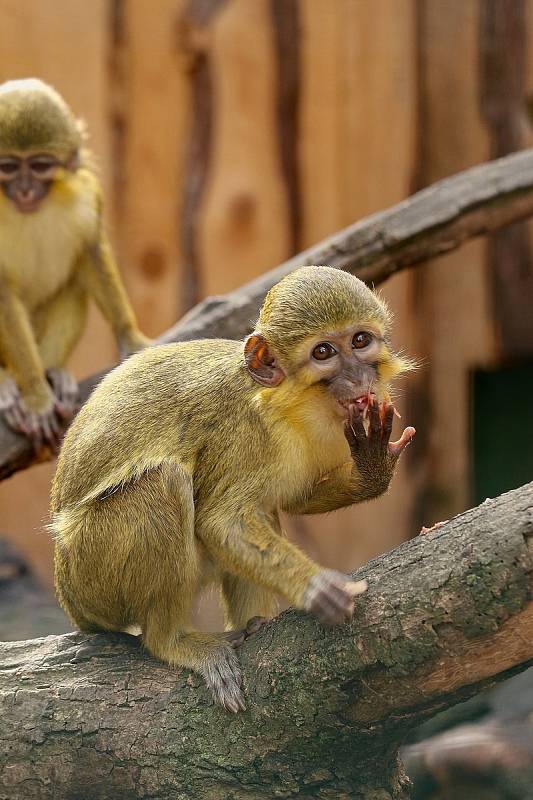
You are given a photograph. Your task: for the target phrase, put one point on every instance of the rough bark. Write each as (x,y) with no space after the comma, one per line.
(91,716)
(431,222)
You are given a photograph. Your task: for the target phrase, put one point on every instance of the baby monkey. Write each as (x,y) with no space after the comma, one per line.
(173,474)
(54,255)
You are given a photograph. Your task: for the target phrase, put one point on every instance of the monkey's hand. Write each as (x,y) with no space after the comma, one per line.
(374,456)
(41,427)
(330,596)
(65,388)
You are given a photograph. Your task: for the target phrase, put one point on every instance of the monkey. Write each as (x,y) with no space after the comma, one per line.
(173,474)
(54,255)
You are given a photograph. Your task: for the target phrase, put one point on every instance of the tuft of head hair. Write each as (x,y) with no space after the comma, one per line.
(313,299)
(35,118)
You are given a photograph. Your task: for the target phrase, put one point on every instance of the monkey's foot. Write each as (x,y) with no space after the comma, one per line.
(238,637)
(65,389)
(42,428)
(222,673)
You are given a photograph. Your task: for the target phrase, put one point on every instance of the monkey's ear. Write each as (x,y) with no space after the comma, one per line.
(261,362)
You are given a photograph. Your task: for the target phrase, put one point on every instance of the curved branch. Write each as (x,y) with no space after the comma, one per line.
(445,614)
(433,221)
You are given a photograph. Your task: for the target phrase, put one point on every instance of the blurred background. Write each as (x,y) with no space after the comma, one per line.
(231,134)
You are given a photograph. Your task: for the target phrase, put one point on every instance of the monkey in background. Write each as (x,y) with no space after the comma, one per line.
(54,254)
(173,473)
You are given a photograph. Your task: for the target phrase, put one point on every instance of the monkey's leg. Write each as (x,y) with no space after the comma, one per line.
(247,606)
(131,557)
(167,637)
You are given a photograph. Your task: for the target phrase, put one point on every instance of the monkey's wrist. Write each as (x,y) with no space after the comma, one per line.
(132,341)
(38,398)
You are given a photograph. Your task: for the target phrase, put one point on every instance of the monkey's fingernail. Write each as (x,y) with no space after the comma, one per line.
(356,587)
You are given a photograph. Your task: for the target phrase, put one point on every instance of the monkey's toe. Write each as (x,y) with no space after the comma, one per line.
(223,676)
(254,624)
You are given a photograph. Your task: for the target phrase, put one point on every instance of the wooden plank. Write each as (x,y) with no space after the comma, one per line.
(452,298)
(357,112)
(150,114)
(503,30)
(243,225)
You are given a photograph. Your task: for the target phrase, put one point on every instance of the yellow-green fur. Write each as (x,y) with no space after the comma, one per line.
(174,472)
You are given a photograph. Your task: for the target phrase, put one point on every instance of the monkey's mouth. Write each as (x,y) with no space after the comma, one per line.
(361,402)
(27,204)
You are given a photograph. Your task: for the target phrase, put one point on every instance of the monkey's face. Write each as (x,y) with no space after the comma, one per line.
(349,365)
(26,180)
(345,363)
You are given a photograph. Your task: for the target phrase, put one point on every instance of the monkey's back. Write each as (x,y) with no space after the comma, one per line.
(157,406)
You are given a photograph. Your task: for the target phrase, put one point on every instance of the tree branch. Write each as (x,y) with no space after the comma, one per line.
(432,222)
(445,614)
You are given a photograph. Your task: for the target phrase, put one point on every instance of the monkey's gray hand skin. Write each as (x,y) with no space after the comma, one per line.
(65,388)
(223,676)
(42,428)
(238,637)
(330,596)
(374,454)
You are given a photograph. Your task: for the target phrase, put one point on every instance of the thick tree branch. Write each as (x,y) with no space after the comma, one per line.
(445,614)
(434,221)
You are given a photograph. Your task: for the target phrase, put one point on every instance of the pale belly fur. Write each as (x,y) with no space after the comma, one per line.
(38,251)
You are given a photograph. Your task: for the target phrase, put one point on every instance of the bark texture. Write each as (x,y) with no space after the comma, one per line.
(92,716)
(431,222)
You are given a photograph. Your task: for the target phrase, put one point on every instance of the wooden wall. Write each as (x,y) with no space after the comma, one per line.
(233,133)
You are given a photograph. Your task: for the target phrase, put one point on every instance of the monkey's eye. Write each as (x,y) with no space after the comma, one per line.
(41,166)
(323,351)
(361,339)
(8,167)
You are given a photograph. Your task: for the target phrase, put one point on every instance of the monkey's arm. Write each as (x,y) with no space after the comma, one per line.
(104,283)
(254,548)
(19,353)
(374,460)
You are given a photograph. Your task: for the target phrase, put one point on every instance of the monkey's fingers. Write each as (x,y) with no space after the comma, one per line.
(374,426)
(396,448)
(51,431)
(236,638)
(387,412)
(254,624)
(65,389)
(354,429)
(330,597)
(16,419)
(356,587)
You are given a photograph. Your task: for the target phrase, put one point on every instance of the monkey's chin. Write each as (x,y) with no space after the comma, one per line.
(28,207)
